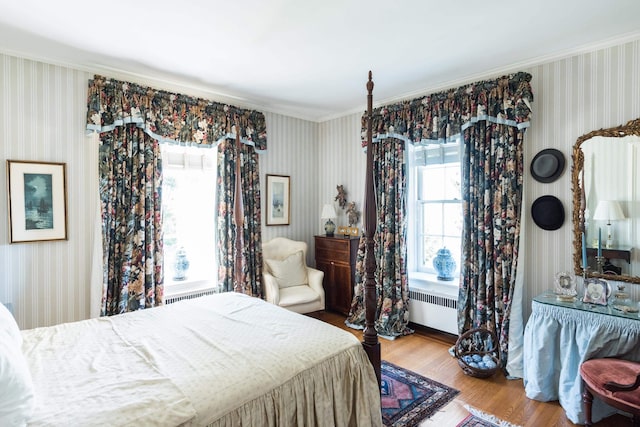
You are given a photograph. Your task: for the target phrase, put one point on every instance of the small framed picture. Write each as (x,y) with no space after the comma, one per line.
(596,291)
(37,201)
(564,284)
(278,199)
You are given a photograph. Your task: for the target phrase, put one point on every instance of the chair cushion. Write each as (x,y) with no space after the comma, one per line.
(290,271)
(16,385)
(294,295)
(596,372)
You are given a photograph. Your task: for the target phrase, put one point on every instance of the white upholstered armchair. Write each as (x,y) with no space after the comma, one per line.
(288,281)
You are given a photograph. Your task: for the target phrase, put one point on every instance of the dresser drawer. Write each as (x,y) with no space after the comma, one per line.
(334,249)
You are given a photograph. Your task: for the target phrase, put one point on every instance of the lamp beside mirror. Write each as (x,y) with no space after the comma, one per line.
(608,210)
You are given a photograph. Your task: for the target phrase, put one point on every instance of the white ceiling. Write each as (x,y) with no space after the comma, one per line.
(310,59)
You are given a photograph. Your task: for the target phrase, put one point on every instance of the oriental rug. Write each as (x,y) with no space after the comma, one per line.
(477,418)
(409,398)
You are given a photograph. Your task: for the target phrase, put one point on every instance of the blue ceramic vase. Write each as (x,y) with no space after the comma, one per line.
(444,264)
(181,265)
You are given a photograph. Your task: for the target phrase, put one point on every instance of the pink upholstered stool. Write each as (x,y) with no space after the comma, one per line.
(615,382)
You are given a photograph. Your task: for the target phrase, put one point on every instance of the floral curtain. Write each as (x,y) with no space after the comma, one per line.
(130,195)
(496,112)
(392,315)
(492,169)
(252,248)
(131,120)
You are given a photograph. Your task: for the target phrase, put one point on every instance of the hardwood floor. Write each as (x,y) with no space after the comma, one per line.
(427,353)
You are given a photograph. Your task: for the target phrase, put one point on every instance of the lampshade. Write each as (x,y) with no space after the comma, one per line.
(608,210)
(328,211)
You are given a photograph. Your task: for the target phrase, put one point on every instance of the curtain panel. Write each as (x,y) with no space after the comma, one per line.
(492,116)
(252,237)
(170,117)
(390,249)
(130,196)
(492,169)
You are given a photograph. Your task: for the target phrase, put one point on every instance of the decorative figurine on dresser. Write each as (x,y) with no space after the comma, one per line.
(336,257)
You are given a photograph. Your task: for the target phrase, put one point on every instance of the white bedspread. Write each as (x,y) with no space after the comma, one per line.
(224,360)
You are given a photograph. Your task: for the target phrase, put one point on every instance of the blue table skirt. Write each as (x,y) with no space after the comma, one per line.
(558,339)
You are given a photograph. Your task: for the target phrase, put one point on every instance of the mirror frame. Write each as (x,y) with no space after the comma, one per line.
(577,171)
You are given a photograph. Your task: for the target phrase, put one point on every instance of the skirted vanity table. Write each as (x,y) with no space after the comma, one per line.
(562,333)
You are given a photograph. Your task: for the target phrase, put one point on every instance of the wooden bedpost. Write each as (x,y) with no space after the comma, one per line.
(370,341)
(238,218)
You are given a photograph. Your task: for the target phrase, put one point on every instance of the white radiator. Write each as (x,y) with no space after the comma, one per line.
(433,311)
(189,295)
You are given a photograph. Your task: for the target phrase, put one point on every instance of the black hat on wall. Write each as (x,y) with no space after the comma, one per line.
(547,165)
(548,212)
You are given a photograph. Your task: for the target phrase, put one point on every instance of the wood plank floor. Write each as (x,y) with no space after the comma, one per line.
(426,353)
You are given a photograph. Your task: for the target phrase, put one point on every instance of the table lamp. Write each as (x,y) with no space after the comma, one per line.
(329,213)
(608,210)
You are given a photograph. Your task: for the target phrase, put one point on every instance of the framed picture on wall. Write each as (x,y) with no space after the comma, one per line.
(37,201)
(278,199)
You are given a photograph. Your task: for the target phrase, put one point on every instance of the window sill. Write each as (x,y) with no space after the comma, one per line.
(430,283)
(174,288)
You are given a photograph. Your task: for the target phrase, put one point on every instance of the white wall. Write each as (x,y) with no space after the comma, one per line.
(572,97)
(42,118)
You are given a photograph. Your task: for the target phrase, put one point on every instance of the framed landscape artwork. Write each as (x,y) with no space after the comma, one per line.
(278,199)
(37,201)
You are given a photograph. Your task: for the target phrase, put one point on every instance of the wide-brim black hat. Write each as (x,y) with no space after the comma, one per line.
(547,165)
(548,212)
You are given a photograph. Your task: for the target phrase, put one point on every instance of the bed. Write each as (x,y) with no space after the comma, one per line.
(221,360)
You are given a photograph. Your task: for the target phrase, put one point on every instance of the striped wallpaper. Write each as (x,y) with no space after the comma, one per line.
(42,110)
(42,119)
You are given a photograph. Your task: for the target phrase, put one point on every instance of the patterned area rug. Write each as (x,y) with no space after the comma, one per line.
(409,398)
(477,418)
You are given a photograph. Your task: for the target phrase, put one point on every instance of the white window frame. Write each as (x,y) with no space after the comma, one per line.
(192,159)
(419,273)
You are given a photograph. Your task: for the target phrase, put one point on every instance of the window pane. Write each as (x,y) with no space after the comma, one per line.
(432,183)
(432,218)
(452,219)
(451,182)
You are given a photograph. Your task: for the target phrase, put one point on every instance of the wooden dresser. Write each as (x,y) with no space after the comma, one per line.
(336,256)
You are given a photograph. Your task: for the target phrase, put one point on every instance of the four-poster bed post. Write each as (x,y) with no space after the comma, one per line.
(370,341)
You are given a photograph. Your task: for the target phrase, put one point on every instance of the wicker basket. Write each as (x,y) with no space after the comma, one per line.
(481,343)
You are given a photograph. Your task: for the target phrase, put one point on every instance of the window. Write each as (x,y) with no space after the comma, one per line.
(189,215)
(435,208)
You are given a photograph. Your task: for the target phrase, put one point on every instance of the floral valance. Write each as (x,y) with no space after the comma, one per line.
(170,117)
(439,117)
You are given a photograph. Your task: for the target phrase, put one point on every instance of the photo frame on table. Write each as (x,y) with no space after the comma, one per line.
(565,286)
(37,201)
(596,291)
(278,199)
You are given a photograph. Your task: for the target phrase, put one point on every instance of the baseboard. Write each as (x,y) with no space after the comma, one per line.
(435,334)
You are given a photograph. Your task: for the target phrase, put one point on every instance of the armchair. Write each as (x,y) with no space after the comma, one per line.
(615,382)
(288,281)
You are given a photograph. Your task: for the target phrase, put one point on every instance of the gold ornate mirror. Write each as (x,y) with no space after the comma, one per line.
(605,174)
